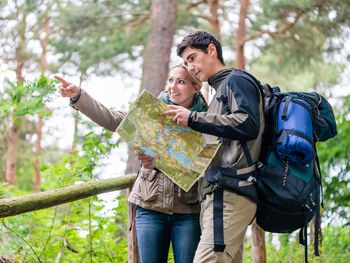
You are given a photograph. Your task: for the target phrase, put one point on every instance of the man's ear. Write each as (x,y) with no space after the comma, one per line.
(211,49)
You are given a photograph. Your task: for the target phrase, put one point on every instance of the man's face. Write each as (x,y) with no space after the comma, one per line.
(199,63)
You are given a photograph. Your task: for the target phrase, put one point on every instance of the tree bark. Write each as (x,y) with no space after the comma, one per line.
(241,32)
(76,117)
(44,42)
(156,55)
(10,174)
(258,246)
(154,75)
(214,22)
(214,6)
(159,44)
(36,201)
(37,153)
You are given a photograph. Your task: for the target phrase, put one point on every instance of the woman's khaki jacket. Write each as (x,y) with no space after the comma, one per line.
(152,189)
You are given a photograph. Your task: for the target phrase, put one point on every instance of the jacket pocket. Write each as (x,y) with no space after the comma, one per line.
(148,174)
(146,186)
(190,197)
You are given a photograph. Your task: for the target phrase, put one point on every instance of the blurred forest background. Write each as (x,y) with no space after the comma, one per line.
(296,44)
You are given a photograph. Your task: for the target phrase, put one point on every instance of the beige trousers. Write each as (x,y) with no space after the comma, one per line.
(238,213)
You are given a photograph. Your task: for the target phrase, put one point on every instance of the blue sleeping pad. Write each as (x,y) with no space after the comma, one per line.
(294,130)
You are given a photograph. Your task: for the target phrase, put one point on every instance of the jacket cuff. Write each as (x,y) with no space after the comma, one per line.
(75,99)
(190,119)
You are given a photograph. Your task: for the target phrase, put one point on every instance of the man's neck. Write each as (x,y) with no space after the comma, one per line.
(216,79)
(218,68)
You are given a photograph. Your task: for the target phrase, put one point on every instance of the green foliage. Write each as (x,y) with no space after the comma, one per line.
(273,69)
(28,98)
(336,244)
(335,165)
(70,231)
(301,32)
(66,231)
(99,36)
(285,248)
(79,165)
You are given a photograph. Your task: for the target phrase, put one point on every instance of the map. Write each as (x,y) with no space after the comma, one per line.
(179,152)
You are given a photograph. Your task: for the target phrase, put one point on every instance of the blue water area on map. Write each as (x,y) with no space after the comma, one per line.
(177,128)
(147,151)
(179,156)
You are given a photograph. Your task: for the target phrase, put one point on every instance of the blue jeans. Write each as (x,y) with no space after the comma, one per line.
(155,230)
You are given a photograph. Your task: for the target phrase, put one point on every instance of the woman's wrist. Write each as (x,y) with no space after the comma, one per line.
(75,99)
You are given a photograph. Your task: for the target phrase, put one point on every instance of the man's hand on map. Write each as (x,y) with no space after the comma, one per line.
(181,114)
(146,161)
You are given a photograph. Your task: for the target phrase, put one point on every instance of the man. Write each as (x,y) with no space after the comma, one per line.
(240,131)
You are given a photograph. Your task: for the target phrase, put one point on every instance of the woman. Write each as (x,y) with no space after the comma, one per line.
(164,212)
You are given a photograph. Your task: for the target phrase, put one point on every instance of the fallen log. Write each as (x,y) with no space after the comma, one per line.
(27,203)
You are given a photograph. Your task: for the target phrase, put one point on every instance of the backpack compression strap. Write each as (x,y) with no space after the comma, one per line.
(218,212)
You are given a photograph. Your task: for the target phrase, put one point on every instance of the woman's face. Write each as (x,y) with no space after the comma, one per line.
(180,87)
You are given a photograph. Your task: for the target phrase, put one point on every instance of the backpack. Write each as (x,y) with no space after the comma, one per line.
(288,176)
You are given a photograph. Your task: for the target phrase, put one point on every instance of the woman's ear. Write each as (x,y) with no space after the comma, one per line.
(196,88)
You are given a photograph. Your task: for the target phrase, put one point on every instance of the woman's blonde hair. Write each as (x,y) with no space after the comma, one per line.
(193,78)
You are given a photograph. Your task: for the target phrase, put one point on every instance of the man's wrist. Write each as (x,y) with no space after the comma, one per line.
(190,119)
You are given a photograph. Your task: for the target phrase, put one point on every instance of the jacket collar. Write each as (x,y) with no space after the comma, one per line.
(215,80)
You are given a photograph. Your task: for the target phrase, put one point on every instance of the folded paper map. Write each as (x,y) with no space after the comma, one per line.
(180,153)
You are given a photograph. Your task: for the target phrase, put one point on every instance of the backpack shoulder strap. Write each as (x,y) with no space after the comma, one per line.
(224,99)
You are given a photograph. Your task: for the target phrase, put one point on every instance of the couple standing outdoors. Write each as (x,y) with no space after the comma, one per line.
(164,212)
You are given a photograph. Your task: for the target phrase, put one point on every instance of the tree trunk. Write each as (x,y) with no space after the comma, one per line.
(157,55)
(11,151)
(36,201)
(37,153)
(258,246)
(159,44)
(10,174)
(214,22)
(154,74)
(214,6)
(258,235)
(39,126)
(241,31)
(76,115)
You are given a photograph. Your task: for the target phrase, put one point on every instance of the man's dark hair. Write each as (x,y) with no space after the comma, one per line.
(200,40)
